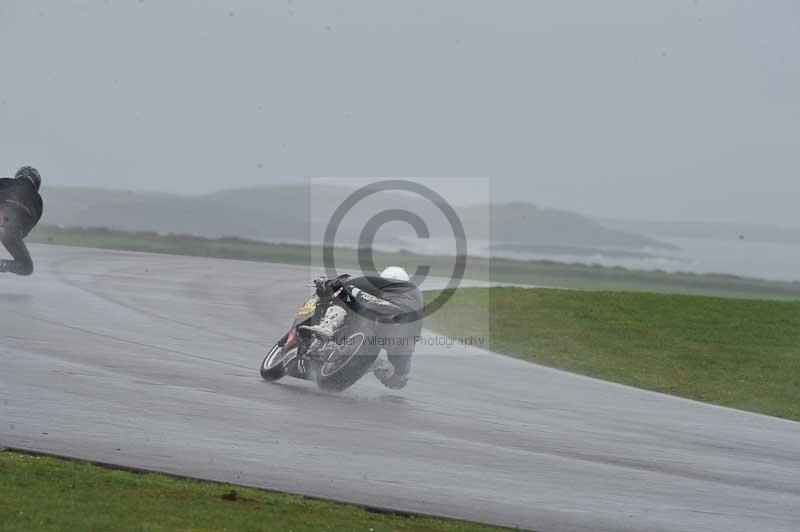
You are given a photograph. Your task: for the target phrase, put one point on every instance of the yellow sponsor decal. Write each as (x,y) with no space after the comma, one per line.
(369,298)
(308,308)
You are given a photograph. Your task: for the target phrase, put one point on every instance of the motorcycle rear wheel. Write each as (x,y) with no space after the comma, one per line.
(347,364)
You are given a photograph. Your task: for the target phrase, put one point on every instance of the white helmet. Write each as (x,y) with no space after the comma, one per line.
(395,272)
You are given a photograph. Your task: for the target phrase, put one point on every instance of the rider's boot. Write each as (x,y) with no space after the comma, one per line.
(330,323)
(390,375)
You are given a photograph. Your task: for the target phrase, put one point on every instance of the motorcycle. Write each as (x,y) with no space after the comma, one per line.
(334,364)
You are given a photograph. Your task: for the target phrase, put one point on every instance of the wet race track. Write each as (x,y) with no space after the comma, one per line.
(151,361)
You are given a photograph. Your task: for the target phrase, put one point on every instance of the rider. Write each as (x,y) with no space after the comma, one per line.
(20,210)
(391,300)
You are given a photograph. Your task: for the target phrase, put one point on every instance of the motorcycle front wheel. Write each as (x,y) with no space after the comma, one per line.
(273,366)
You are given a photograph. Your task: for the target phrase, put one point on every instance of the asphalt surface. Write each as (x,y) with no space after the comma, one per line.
(151,361)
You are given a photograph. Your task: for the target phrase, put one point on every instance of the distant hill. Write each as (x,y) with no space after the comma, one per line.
(524,223)
(709,230)
(293,213)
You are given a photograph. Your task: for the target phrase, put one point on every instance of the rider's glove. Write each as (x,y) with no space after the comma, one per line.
(323,291)
(327,287)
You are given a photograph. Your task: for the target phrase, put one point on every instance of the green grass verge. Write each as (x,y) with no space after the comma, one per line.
(46,494)
(733,352)
(543,273)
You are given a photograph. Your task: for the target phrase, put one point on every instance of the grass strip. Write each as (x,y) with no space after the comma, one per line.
(734,352)
(39,494)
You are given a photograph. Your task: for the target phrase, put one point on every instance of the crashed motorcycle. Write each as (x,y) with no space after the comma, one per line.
(334,364)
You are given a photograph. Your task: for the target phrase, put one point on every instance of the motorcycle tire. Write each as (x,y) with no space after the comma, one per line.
(351,361)
(273,367)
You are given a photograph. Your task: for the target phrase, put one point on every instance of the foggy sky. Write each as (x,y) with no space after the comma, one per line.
(668,110)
